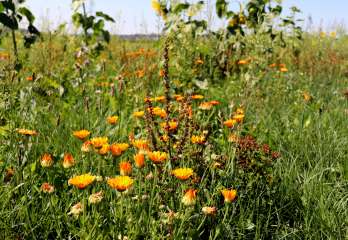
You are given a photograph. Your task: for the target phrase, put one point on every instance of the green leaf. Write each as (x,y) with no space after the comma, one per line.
(98,27)
(2,8)
(33,30)
(29,39)
(221,8)
(9,21)
(230,14)
(106,36)
(180,7)
(12,5)
(77,19)
(33,167)
(76,4)
(60,28)
(159,43)
(204,50)
(277,10)
(173,4)
(202,83)
(105,16)
(277,1)
(195,8)
(26,12)
(173,20)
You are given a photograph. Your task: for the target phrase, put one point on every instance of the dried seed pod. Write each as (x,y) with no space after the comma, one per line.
(38,78)
(33,75)
(58,120)
(84,88)
(13,76)
(87,109)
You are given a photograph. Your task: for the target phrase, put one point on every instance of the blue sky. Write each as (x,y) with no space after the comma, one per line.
(134,12)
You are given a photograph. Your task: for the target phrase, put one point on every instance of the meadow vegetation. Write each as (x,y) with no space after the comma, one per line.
(235,133)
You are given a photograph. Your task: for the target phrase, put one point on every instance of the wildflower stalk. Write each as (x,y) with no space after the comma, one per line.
(121,220)
(152,195)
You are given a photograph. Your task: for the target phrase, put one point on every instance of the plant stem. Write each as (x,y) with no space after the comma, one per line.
(14,42)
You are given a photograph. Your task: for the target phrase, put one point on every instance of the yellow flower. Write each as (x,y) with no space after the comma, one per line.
(27,132)
(138,114)
(240,111)
(323,34)
(229,195)
(305,96)
(333,34)
(112,120)
(121,183)
(99,142)
(104,150)
(198,97)
(197,139)
(81,134)
(141,145)
(183,173)
(157,157)
(205,106)
(229,123)
(172,126)
(284,69)
(238,117)
(82,181)
(118,148)
(125,168)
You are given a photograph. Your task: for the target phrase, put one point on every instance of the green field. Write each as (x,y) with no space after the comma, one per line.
(237,133)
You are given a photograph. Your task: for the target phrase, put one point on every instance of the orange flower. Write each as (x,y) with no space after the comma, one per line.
(177,95)
(208,210)
(139,160)
(172,126)
(284,69)
(183,173)
(30,79)
(157,157)
(82,181)
(125,168)
(131,137)
(229,195)
(199,61)
(9,175)
(46,161)
(87,147)
(123,74)
(129,54)
(140,73)
(273,65)
(141,145)
(305,96)
(128,90)
(48,188)
(149,53)
(242,62)
(104,150)
(138,114)
(240,111)
(69,161)
(229,123)
(99,142)
(161,73)
(150,99)
(197,97)
(138,53)
(214,102)
(5,55)
(205,106)
(195,70)
(117,148)
(27,132)
(104,83)
(179,99)
(81,134)
(238,117)
(162,99)
(249,59)
(282,65)
(232,138)
(163,138)
(134,95)
(112,119)
(121,183)
(142,50)
(161,112)
(155,65)
(189,198)
(197,139)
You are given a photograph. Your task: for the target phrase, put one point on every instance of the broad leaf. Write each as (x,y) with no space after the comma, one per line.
(76,4)
(106,36)
(98,27)
(77,19)
(221,8)
(105,16)
(33,30)
(2,8)
(277,1)
(204,50)
(159,43)
(12,5)
(26,12)
(9,21)
(180,7)
(195,8)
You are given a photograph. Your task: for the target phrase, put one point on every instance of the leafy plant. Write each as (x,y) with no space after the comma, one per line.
(89,22)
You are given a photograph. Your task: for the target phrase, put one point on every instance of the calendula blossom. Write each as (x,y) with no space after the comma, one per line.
(46,161)
(229,195)
(197,139)
(138,114)
(87,147)
(157,157)
(141,145)
(112,120)
(121,183)
(117,148)
(104,150)
(82,181)
(27,132)
(99,142)
(183,173)
(125,168)
(230,123)
(81,134)
(139,160)
(208,210)
(48,188)
(96,198)
(69,161)
(238,117)
(205,106)
(189,199)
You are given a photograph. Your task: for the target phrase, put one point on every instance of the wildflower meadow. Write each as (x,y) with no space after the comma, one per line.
(238,132)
